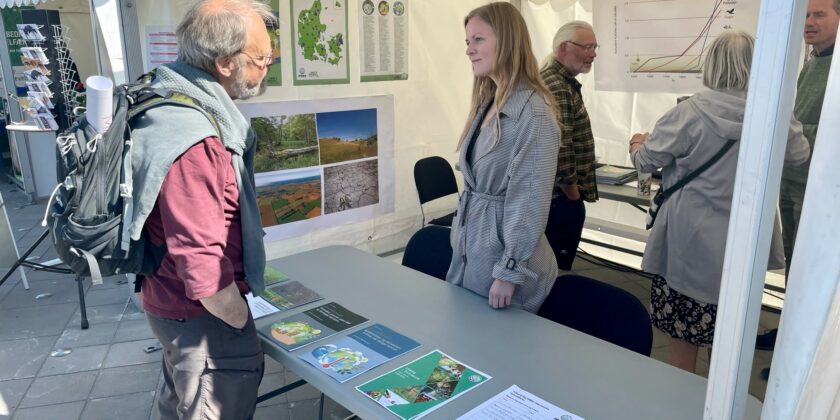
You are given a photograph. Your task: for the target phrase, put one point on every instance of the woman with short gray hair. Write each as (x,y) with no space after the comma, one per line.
(685,249)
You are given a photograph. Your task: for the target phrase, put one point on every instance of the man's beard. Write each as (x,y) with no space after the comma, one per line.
(241,90)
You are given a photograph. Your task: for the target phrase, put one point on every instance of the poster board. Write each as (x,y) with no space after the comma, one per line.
(322,163)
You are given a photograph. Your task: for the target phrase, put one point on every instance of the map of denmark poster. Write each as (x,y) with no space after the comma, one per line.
(319,42)
(322,163)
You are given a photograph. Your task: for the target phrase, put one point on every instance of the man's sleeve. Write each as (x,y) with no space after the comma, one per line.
(566,173)
(191,205)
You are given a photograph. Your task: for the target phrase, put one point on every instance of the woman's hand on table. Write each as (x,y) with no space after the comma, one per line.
(501,293)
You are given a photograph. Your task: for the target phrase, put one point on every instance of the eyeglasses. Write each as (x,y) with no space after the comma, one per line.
(592,47)
(261,61)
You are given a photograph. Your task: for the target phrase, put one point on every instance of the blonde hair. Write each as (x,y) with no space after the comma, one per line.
(566,33)
(728,61)
(514,62)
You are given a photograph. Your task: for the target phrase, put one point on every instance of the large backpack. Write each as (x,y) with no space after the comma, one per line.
(92,206)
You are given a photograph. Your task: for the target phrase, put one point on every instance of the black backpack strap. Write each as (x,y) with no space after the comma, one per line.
(685,180)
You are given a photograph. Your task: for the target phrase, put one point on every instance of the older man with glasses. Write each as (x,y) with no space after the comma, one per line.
(195,204)
(573,50)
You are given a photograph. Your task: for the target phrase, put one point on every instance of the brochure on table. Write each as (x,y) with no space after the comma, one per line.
(359,352)
(277,297)
(516,403)
(295,331)
(422,386)
(281,297)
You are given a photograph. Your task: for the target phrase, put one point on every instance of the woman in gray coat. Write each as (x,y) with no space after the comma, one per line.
(508,156)
(686,245)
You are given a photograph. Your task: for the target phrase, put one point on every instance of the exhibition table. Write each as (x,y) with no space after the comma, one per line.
(579,373)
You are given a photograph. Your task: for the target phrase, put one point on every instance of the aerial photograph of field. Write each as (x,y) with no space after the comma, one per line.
(285,142)
(351,186)
(347,135)
(289,196)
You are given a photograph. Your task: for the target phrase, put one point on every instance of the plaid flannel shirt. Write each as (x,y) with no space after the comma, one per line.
(576,159)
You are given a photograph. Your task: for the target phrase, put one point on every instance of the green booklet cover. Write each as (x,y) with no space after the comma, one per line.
(295,331)
(420,387)
(272,275)
(289,294)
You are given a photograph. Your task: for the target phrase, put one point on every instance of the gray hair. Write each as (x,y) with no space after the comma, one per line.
(728,61)
(837,6)
(566,33)
(217,29)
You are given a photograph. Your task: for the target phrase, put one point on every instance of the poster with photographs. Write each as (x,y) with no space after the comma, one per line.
(322,163)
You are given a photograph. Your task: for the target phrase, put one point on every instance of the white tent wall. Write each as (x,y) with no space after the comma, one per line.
(430,110)
(615,116)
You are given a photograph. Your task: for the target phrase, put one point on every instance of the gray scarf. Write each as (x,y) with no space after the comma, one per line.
(236,135)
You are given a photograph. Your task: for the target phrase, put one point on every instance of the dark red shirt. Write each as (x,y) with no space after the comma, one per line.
(197,216)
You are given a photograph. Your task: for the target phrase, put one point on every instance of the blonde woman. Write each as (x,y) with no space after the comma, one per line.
(508,157)
(686,245)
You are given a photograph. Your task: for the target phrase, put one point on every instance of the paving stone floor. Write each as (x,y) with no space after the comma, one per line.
(107,375)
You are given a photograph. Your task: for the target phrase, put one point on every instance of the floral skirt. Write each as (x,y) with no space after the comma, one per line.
(681,316)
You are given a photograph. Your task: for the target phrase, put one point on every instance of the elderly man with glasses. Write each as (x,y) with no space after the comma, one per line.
(195,208)
(573,51)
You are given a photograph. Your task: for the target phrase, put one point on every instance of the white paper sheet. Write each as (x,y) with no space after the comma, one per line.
(259,306)
(515,403)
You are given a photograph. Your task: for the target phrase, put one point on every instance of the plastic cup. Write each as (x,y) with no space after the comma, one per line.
(644,181)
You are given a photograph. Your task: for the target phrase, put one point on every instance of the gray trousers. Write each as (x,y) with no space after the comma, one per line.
(791,197)
(210,369)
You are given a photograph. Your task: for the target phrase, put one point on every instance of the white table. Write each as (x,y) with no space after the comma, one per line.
(577,372)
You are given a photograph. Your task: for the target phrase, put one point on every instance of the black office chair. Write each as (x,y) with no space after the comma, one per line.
(600,310)
(434,178)
(428,251)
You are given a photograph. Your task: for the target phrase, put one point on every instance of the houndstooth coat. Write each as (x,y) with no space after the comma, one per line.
(498,232)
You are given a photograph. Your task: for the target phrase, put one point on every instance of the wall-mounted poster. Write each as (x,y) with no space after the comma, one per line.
(319,42)
(383,28)
(322,163)
(161,46)
(661,46)
(274,76)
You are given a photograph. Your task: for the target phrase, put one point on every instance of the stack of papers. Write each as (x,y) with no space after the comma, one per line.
(614,175)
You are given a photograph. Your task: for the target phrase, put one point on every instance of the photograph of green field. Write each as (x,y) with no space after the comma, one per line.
(289,196)
(347,135)
(285,142)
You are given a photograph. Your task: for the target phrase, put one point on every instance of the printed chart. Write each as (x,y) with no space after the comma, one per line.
(661,45)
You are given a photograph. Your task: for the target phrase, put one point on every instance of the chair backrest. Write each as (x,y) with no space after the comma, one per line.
(434,179)
(600,310)
(428,251)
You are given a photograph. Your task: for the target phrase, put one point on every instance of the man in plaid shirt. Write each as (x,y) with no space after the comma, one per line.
(573,51)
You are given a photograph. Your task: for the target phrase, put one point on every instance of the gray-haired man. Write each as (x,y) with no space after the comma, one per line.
(195,202)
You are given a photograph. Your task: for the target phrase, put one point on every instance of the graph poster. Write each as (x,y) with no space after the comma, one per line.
(383,42)
(322,163)
(661,45)
(319,42)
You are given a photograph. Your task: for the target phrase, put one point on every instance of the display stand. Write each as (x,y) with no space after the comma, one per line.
(9,255)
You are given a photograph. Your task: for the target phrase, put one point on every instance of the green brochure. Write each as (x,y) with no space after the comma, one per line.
(272,275)
(420,387)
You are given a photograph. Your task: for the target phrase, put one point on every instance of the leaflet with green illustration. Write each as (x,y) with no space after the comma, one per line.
(295,331)
(422,386)
(272,275)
